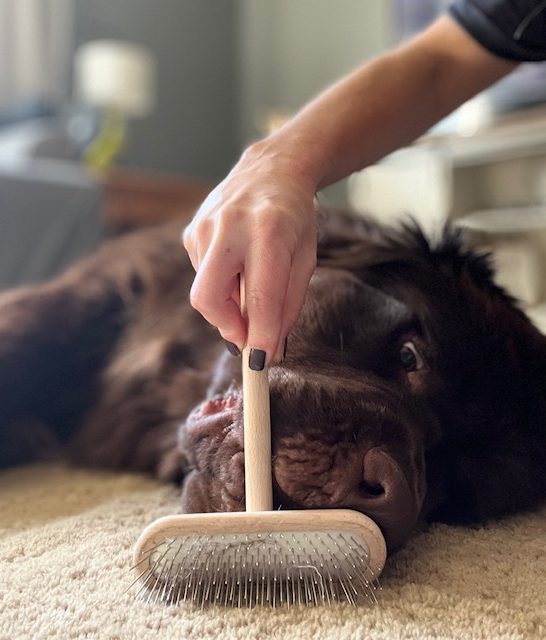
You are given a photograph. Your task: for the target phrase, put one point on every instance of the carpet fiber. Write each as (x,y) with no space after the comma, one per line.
(65,547)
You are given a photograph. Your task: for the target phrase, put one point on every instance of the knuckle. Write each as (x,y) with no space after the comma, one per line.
(253,152)
(269,214)
(187,238)
(199,299)
(257,300)
(195,233)
(203,228)
(278,227)
(228,217)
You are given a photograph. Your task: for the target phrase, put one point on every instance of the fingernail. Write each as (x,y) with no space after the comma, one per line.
(285,348)
(232,348)
(256,359)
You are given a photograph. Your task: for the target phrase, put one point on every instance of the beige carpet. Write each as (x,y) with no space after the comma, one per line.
(65,548)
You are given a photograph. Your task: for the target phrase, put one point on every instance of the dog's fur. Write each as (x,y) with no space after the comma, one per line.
(110,360)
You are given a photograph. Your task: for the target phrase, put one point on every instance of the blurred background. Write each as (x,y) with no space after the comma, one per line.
(116,114)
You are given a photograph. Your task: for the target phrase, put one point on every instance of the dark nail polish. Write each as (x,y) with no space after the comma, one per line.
(256,359)
(285,348)
(232,348)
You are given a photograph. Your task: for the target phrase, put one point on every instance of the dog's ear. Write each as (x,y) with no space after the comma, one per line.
(501,466)
(360,245)
(483,481)
(356,243)
(504,471)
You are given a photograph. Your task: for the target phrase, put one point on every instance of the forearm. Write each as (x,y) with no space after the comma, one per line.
(386,104)
(260,219)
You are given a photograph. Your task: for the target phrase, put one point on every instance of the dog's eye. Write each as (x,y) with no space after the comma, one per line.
(410,358)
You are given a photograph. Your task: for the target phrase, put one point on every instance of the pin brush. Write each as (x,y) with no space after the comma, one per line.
(259,556)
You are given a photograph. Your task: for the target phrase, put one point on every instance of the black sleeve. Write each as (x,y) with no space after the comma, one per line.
(512,29)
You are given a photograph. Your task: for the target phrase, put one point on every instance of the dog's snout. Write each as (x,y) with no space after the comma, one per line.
(379,488)
(385,494)
(372,482)
(381,476)
(351,451)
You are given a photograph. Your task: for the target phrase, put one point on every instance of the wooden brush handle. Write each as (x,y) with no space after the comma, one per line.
(257,431)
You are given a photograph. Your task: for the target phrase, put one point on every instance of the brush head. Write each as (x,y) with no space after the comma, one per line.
(272,558)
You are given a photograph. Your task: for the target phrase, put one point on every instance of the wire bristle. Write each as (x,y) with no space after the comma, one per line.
(245,570)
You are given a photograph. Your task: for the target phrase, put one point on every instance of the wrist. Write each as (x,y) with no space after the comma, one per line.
(293,154)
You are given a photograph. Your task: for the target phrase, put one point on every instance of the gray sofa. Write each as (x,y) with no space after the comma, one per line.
(49,204)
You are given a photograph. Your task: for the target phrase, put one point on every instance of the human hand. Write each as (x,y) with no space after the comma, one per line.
(260,221)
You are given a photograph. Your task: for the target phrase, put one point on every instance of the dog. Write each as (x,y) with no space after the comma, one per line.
(412,388)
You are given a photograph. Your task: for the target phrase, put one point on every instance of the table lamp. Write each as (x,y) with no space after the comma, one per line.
(118,79)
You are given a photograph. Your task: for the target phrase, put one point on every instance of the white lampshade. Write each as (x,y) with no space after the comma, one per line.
(115,74)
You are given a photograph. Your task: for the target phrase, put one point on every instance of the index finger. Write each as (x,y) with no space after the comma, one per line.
(267,274)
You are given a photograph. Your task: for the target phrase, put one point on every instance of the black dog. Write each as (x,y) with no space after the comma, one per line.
(412,387)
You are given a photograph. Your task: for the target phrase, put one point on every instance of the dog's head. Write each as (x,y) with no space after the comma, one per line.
(412,386)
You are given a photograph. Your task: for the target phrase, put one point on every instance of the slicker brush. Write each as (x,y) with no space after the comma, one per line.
(259,557)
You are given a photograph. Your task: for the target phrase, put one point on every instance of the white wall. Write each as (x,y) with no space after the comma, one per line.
(224,63)
(291,49)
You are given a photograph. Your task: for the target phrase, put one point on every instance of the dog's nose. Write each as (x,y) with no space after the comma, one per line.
(370,481)
(384,493)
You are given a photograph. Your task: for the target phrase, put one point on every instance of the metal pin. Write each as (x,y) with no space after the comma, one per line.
(245,570)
